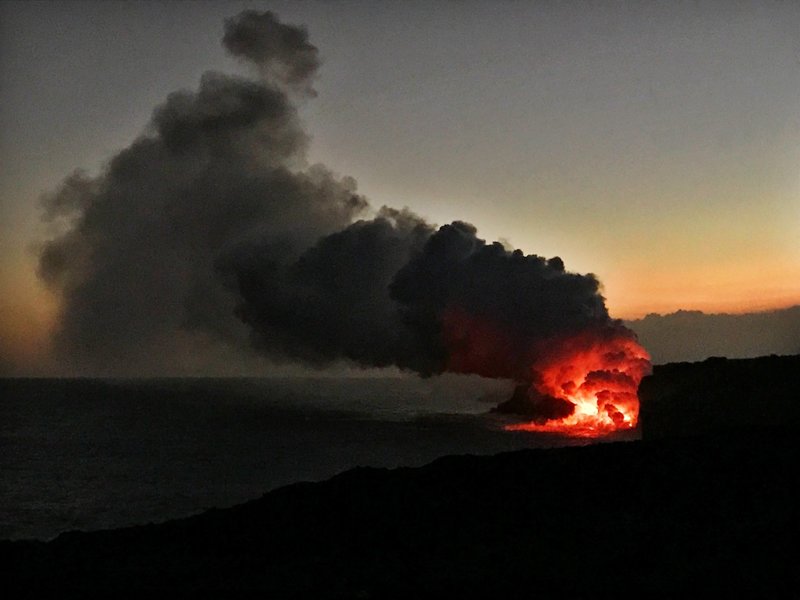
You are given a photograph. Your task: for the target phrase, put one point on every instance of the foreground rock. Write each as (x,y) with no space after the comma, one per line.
(719,394)
(669,517)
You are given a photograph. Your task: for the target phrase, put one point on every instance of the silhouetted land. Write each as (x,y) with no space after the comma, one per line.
(700,508)
(721,394)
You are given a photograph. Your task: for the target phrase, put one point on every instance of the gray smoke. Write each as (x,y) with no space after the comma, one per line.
(222,166)
(212,222)
(282,53)
(334,300)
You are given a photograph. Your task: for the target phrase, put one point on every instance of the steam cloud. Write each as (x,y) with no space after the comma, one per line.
(220,168)
(213,222)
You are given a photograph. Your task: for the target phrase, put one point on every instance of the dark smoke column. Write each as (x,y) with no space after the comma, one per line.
(503,314)
(392,291)
(212,227)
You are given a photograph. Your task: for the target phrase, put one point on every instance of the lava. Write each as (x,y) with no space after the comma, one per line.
(581,384)
(596,371)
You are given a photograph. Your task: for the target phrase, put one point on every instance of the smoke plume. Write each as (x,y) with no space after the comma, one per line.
(212,222)
(219,168)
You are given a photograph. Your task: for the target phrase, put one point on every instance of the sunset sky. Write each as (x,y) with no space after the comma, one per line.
(656,145)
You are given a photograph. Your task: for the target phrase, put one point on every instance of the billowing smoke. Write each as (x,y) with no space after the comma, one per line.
(281,53)
(222,167)
(395,291)
(213,222)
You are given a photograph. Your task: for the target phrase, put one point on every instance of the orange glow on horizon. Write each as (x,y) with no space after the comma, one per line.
(633,311)
(26,322)
(732,289)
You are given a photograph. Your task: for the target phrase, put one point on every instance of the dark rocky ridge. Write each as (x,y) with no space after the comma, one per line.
(673,516)
(721,394)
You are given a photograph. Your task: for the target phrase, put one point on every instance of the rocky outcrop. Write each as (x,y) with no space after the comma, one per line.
(720,394)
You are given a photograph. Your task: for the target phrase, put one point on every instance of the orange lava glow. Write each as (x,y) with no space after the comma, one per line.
(598,371)
(592,376)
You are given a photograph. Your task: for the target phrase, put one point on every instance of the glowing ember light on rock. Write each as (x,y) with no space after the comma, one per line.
(584,385)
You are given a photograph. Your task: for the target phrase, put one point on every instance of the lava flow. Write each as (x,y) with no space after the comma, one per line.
(587,384)
(581,384)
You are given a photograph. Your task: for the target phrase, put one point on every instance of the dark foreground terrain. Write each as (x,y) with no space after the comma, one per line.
(674,516)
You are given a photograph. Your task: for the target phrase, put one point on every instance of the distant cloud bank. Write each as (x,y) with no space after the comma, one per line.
(688,335)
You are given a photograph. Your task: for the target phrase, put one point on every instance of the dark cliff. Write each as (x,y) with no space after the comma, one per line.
(720,394)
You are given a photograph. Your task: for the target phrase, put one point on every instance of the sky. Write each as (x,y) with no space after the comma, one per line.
(656,146)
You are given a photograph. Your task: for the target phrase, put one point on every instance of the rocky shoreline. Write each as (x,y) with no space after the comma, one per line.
(674,514)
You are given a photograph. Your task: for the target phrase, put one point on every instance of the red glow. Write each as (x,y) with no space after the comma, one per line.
(598,371)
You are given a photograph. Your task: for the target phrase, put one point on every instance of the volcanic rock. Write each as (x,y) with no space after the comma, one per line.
(719,394)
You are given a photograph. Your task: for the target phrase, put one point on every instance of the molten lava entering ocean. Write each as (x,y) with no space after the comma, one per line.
(580,383)
(593,377)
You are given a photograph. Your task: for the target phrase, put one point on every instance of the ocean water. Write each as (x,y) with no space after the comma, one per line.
(86,454)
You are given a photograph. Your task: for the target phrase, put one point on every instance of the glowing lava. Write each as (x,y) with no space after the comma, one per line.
(597,371)
(578,384)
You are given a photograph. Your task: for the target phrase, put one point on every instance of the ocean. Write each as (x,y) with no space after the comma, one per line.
(87,454)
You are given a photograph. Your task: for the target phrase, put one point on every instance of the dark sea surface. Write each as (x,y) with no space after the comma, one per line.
(92,454)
